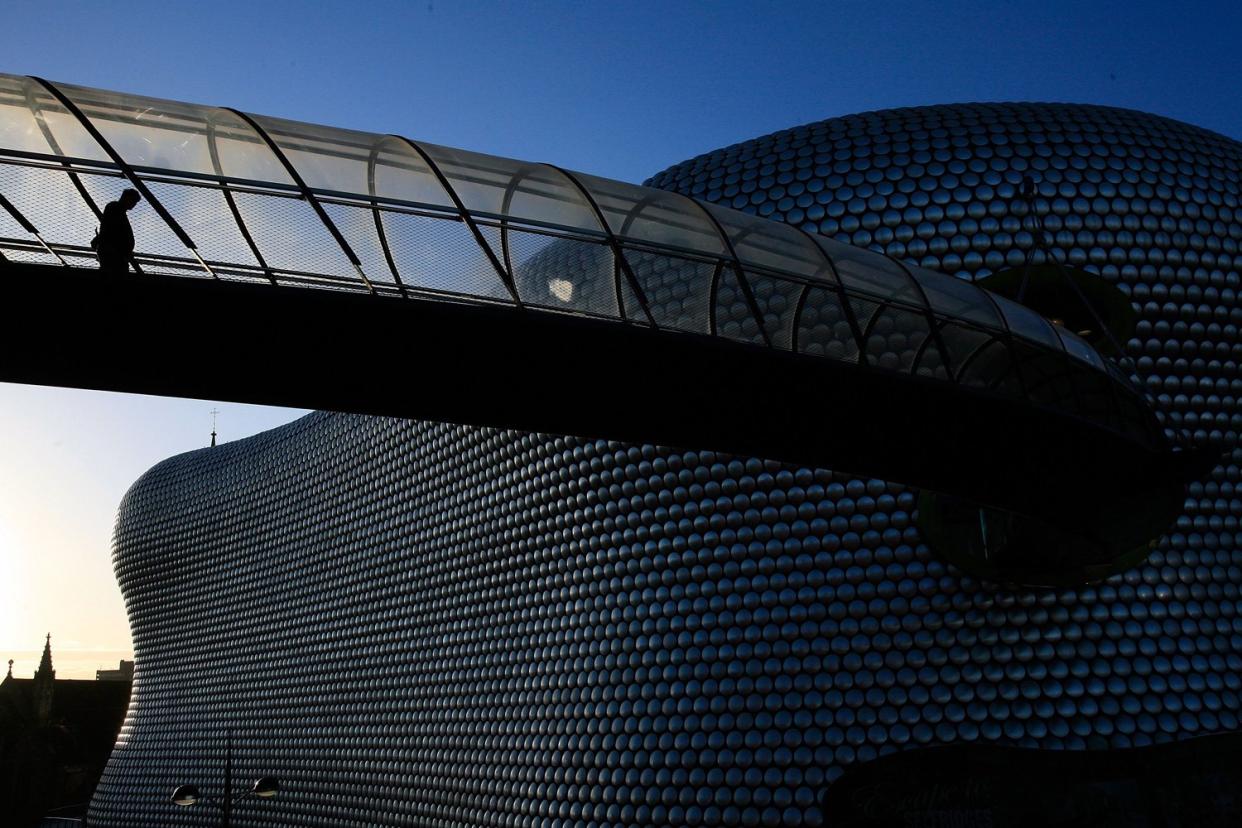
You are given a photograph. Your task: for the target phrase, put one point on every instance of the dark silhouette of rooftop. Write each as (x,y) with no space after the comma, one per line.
(55,738)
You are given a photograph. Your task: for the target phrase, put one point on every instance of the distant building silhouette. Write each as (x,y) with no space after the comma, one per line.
(55,737)
(123,672)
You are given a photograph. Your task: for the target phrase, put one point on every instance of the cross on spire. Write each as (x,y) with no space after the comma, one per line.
(214,412)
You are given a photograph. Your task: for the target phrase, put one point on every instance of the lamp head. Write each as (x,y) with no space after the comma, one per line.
(186,795)
(265,786)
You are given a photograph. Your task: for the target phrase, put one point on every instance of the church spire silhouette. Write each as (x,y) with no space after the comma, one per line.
(44,683)
(45,663)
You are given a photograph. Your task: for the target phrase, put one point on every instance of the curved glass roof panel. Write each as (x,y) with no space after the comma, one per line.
(240,153)
(951,296)
(773,245)
(656,217)
(34,121)
(513,189)
(327,158)
(398,172)
(19,130)
(1026,323)
(878,276)
(170,135)
(1078,348)
(27,116)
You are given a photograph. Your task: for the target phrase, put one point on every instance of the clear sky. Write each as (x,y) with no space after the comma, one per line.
(620,89)
(66,459)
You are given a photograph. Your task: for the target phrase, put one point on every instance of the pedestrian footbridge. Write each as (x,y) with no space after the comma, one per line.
(288,263)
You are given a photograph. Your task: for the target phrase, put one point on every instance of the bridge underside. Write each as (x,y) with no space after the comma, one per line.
(539,371)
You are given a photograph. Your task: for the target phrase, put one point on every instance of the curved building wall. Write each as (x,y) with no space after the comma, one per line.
(417,623)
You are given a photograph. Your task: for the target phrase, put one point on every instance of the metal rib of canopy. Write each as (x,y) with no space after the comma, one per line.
(251,198)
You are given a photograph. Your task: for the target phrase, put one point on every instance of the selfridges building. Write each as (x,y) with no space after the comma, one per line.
(423,623)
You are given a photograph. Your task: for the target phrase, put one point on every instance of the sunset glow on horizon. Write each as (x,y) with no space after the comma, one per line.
(69,457)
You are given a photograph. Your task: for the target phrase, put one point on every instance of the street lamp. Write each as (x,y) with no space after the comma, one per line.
(265,786)
(187,795)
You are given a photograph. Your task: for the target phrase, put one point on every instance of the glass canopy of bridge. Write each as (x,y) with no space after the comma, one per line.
(251,198)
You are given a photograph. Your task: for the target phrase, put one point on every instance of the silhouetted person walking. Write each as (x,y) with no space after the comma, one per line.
(115,242)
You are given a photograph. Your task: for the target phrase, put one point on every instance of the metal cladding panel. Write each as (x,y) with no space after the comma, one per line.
(416,623)
(429,624)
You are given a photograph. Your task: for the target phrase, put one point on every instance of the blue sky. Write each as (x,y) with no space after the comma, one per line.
(626,88)
(617,89)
